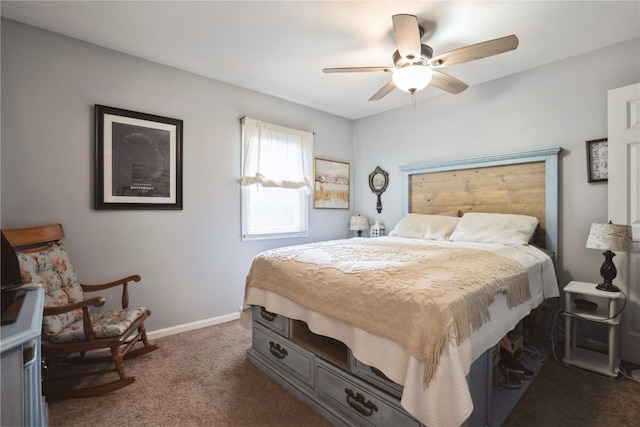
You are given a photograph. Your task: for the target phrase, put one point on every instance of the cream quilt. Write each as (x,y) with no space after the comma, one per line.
(417,295)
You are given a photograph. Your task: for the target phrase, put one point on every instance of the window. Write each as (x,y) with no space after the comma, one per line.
(276,180)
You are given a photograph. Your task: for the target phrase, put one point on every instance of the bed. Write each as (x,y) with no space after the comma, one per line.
(357,329)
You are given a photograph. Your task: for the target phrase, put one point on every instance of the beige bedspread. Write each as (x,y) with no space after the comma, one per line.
(417,295)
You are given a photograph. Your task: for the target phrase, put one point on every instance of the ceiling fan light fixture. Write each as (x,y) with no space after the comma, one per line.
(414,63)
(412,78)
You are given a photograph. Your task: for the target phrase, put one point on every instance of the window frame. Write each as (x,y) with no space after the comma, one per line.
(253,182)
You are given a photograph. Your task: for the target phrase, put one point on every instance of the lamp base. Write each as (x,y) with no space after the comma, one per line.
(608,287)
(608,272)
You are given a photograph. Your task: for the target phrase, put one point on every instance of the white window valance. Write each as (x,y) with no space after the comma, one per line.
(276,156)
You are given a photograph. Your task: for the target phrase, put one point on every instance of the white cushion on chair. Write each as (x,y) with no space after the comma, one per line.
(111,323)
(51,267)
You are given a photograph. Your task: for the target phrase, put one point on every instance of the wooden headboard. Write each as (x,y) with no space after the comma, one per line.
(519,183)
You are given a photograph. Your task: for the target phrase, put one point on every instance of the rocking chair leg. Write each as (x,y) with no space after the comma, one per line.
(118,361)
(143,335)
(146,348)
(140,351)
(53,393)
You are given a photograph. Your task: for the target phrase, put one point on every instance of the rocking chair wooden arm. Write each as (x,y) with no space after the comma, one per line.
(95,302)
(124,282)
(99,287)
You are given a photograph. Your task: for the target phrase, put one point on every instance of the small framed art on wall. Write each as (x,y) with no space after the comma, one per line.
(331,184)
(598,160)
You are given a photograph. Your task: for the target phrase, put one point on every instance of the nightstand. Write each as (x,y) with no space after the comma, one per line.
(606,364)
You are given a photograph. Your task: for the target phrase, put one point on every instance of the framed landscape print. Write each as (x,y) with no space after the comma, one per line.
(331,184)
(138,160)
(598,160)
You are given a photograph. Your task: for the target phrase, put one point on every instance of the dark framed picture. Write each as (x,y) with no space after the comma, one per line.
(598,160)
(138,160)
(331,186)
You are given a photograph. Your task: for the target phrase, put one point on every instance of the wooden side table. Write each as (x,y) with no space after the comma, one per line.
(606,364)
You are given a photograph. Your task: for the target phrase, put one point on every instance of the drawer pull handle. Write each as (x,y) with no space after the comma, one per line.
(357,402)
(379,373)
(267,315)
(277,351)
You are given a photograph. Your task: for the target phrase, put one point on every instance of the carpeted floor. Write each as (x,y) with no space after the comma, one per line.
(197,378)
(201,378)
(564,397)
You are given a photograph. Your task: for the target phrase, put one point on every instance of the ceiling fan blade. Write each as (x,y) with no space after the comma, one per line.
(384,91)
(476,51)
(447,83)
(407,34)
(357,69)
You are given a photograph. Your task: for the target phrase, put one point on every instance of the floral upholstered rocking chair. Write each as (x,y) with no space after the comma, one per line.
(69,330)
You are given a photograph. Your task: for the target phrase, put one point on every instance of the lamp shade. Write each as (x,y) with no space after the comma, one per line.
(412,78)
(610,237)
(359,223)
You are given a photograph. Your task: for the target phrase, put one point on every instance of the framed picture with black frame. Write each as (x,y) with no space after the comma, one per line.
(598,160)
(138,160)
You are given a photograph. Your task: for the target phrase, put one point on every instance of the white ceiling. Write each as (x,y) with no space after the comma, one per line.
(280,47)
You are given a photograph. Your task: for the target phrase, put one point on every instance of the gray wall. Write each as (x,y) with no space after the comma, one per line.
(561,104)
(192,262)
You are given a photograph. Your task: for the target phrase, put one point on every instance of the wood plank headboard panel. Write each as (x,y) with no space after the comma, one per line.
(520,183)
(515,189)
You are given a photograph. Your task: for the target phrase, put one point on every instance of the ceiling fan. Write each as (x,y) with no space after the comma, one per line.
(416,67)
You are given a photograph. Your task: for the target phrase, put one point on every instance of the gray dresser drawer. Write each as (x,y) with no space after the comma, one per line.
(285,355)
(375,377)
(357,402)
(273,321)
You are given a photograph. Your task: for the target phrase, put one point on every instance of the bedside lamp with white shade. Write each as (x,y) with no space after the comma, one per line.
(359,223)
(609,237)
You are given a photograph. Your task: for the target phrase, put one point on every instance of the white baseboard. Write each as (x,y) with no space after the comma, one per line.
(192,326)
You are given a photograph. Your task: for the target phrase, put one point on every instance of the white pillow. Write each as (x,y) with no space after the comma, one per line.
(421,226)
(509,229)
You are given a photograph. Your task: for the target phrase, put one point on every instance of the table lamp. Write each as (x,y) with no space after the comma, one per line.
(359,223)
(609,237)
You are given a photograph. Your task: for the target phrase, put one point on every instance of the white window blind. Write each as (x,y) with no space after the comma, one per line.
(276,180)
